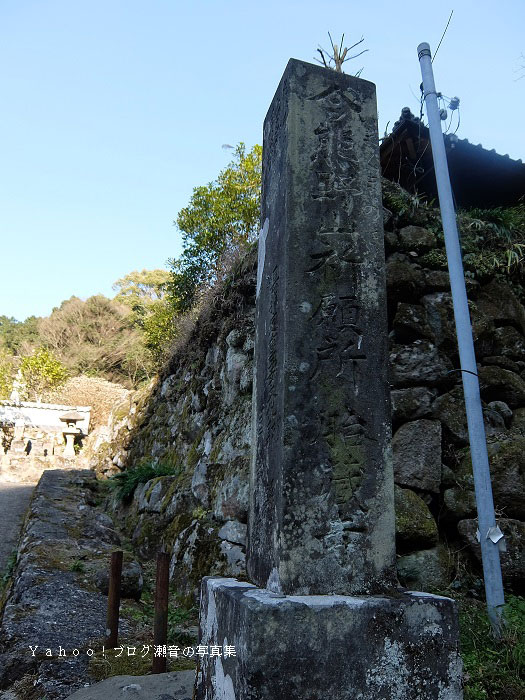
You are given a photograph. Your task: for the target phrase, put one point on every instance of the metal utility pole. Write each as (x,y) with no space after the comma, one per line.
(490,535)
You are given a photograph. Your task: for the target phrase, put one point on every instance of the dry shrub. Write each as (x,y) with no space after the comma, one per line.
(98,393)
(97,337)
(235,268)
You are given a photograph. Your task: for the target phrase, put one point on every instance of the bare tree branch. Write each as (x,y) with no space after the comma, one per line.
(339,55)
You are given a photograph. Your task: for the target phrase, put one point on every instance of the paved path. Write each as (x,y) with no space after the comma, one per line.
(14,500)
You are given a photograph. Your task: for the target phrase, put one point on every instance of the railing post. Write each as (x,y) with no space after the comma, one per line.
(115,574)
(160,628)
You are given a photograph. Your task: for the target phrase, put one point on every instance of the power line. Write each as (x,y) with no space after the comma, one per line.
(442,36)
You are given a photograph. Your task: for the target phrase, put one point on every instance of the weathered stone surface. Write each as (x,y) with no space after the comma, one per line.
(504,411)
(177,685)
(231,501)
(500,384)
(235,556)
(59,553)
(99,526)
(417,238)
(411,403)
(498,301)
(509,342)
(494,421)
(336,647)
(450,410)
(233,370)
(410,323)
(426,570)
(198,550)
(437,280)
(507,468)
(518,420)
(459,502)
(233,545)
(448,478)
(199,483)
(513,560)
(415,525)
(417,455)
(131,583)
(178,504)
(391,241)
(418,363)
(14,501)
(233,531)
(322,515)
(439,315)
(150,495)
(405,281)
(387,216)
(502,361)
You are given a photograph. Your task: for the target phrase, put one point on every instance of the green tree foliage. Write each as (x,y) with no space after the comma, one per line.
(141,289)
(18,337)
(221,217)
(159,329)
(7,374)
(42,371)
(494,239)
(145,293)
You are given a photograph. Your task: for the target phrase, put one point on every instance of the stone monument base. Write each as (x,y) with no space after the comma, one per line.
(327,647)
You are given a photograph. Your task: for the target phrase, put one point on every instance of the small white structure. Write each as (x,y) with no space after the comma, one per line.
(42,415)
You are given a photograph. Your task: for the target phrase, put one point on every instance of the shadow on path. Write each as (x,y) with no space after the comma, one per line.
(14,500)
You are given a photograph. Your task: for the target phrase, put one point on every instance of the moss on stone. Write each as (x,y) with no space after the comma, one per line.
(507,468)
(103,448)
(102,666)
(146,539)
(195,453)
(152,484)
(161,410)
(415,526)
(168,496)
(121,411)
(435,260)
(173,458)
(217,474)
(27,687)
(217,447)
(207,559)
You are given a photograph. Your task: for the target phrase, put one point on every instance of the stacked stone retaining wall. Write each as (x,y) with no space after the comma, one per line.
(196,421)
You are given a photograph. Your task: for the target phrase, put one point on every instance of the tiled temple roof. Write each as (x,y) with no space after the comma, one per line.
(479,177)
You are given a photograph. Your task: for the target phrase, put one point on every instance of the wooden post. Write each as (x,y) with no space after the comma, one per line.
(160,628)
(115,574)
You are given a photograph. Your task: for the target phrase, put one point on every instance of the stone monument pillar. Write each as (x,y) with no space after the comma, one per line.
(323,617)
(322,497)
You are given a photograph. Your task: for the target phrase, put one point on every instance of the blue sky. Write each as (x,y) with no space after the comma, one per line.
(113,110)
